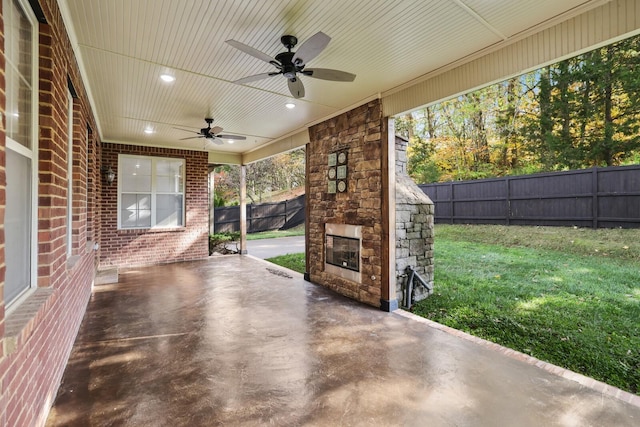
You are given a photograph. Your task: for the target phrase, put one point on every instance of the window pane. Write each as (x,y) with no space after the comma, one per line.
(18,37)
(17,225)
(128,218)
(135,174)
(129,202)
(137,183)
(169,176)
(169,210)
(135,210)
(144,218)
(144,201)
(18,73)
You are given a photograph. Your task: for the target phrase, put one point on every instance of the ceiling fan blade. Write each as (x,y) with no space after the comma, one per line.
(215,130)
(296,87)
(238,137)
(187,130)
(190,137)
(328,74)
(254,78)
(311,48)
(252,51)
(217,141)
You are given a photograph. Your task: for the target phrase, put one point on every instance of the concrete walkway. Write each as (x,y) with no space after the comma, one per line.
(267,248)
(236,341)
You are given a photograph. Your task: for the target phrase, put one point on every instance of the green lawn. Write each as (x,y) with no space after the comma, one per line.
(295,231)
(567,296)
(293,262)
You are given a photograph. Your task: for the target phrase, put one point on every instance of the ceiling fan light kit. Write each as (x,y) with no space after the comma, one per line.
(292,64)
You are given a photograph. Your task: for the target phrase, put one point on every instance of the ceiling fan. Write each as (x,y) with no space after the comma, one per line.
(292,64)
(212,133)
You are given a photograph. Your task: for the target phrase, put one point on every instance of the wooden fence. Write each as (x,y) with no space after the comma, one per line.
(597,198)
(261,217)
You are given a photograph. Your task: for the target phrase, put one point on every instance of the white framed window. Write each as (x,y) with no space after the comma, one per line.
(150,192)
(21,55)
(69,174)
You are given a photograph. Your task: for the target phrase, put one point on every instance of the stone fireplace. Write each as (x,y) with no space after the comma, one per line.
(414,228)
(347,203)
(365,222)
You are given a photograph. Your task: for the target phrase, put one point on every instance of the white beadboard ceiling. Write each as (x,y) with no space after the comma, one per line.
(124,46)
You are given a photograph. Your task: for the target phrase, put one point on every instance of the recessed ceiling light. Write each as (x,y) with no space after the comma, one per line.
(149,131)
(290,105)
(230,141)
(167,78)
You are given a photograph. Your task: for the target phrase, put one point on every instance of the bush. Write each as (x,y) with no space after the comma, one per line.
(218,242)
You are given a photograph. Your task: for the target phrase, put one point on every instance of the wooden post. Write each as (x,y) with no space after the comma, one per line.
(307,213)
(388,300)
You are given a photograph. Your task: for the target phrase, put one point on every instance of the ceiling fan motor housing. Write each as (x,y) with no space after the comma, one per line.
(289,69)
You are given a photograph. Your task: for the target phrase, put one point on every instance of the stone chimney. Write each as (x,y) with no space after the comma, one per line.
(414,228)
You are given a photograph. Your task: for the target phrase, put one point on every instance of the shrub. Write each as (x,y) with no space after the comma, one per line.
(218,242)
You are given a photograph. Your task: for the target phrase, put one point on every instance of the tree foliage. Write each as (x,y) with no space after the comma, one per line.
(578,113)
(279,173)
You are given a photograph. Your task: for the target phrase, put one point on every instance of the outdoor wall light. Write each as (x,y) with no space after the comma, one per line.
(109,174)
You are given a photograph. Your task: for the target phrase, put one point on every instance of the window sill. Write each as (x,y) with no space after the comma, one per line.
(72,261)
(20,323)
(150,230)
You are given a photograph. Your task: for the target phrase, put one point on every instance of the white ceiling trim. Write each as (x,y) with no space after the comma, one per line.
(75,46)
(480,19)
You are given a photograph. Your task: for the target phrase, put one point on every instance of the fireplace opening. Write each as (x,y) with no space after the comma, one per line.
(343,252)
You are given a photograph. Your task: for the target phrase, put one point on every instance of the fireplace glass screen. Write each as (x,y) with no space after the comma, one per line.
(343,252)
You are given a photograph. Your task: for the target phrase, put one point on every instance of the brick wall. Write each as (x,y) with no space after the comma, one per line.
(125,248)
(31,369)
(361,132)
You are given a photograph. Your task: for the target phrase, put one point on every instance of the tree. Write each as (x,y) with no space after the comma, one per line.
(581,112)
(282,172)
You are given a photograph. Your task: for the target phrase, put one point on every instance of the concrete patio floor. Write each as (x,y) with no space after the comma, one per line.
(237,341)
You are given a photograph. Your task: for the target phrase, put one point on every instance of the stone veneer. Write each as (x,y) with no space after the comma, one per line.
(414,228)
(361,131)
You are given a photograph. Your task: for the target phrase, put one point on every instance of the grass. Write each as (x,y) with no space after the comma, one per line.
(578,307)
(293,262)
(295,231)
(612,243)
(568,296)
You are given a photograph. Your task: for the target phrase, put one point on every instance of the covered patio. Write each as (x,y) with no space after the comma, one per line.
(113,113)
(234,340)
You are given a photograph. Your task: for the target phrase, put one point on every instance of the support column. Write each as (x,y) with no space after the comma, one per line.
(243,209)
(388,301)
(307,212)
(212,202)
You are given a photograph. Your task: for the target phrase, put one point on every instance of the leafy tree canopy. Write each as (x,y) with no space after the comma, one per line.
(578,113)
